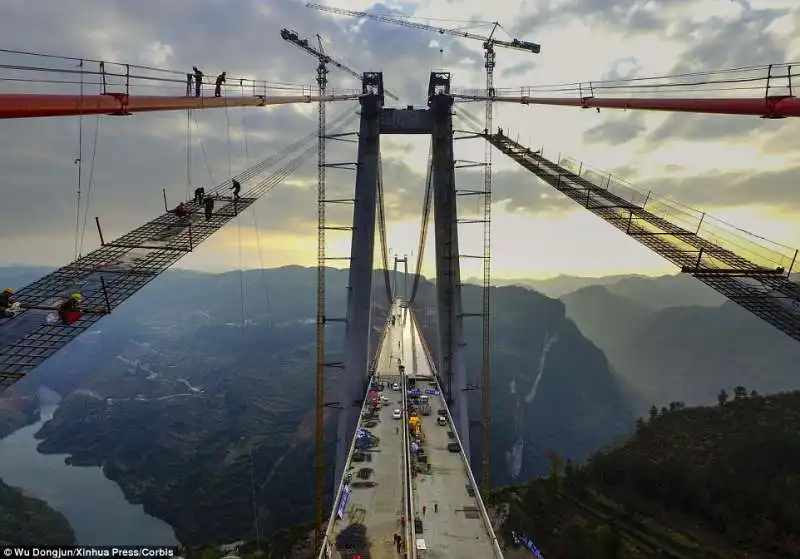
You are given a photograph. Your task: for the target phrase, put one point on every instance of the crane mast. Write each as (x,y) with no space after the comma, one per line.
(486,339)
(489,44)
(319,403)
(319,454)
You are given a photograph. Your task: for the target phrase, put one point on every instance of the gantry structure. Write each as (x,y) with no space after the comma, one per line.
(403,482)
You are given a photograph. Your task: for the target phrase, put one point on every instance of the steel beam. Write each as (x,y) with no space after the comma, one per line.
(452,366)
(769,107)
(39,105)
(352,382)
(405,121)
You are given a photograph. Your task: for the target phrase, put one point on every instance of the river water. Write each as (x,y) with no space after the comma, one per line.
(94,505)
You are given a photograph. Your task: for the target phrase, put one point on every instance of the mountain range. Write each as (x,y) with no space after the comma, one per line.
(657,292)
(172,392)
(552,389)
(671,351)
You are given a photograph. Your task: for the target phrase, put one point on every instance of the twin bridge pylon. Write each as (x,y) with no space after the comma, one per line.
(384,442)
(376,120)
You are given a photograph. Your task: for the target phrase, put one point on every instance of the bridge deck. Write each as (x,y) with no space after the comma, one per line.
(417,364)
(373,511)
(445,502)
(372,502)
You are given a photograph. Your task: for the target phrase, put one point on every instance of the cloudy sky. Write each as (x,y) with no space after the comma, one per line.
(742,169)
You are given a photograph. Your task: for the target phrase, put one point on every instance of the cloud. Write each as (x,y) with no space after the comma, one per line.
(717,44)
(627,16)
(140,155)
(770,188)
(617,129)
(518,68)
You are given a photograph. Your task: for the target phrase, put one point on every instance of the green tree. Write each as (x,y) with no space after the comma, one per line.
(556,464)
(722,397)
(608,542)
(653,413)
(569,469)
(575,542)
(739,393)
(640,425)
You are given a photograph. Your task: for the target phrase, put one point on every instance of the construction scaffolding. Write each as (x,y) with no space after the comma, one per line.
(750,271)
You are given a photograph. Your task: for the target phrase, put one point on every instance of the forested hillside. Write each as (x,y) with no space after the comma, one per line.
(703,482)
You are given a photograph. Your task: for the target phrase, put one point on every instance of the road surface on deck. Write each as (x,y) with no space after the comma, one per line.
(376,511)
(452,525)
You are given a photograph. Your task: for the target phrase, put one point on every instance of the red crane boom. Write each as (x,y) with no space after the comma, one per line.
(40,105)
(765,107)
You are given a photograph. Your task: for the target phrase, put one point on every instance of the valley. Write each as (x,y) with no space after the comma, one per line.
(172,398)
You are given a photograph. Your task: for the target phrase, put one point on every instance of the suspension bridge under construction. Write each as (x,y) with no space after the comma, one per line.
(403,481)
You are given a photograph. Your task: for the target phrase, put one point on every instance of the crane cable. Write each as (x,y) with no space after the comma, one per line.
(90,183)
(79,163)
(262,271)
(189,115)
(80,233)
(203,148)
(238,225)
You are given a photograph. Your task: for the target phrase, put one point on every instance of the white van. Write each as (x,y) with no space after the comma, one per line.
(441,420)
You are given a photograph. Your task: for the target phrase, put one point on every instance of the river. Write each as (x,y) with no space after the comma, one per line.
(94,505)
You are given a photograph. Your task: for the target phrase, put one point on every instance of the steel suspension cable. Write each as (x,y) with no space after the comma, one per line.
(423,230)
(272,181)
(264,164)
(382,234)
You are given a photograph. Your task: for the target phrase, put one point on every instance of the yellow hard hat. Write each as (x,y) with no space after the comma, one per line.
(8,290)
(77,296)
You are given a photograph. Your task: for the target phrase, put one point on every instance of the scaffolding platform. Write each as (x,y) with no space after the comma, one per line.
(105,277)
(749,270)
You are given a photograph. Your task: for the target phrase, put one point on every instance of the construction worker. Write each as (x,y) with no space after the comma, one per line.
(5,300)
(180,210)
(188,85)
(70,310)
(199,194)
(237,187)
(209,206)
(198,81)
(218,84)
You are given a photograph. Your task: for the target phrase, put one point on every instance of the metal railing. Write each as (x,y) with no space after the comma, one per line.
(758,250)
(408,488)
